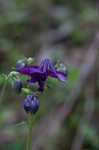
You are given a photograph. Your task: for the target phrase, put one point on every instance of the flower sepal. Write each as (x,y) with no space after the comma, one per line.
(26,91)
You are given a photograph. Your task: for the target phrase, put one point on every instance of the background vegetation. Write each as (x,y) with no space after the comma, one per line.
(67,31)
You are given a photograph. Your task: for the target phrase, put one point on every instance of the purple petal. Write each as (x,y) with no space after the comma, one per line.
(41,84)
(34,69)
(61,76)
(58,74)
(44,65)
(52,74)
(29,70)
(24,70)
(32,80)
(51,68)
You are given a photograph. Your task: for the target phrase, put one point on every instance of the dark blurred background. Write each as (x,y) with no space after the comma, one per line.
(67,31)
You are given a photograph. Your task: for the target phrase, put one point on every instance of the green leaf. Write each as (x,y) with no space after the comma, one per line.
(20,124)
(30,60)
(2,78)
(26,91)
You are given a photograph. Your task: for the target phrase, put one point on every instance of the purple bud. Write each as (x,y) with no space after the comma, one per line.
(20,64)
(31,104)
(17,85)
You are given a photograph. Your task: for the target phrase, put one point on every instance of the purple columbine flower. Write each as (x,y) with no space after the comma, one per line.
(31,103)
(41,73)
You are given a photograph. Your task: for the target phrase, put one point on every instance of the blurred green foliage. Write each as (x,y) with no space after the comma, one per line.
(26,30)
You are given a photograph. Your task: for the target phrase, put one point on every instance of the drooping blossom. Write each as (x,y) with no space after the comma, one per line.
(17,85)
(31,103)
(42,72)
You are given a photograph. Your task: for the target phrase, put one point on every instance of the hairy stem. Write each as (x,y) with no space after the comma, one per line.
(30,127)
(29,134)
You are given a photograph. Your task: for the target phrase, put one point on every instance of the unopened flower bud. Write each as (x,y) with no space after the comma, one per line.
(31,104)
(30,60)
(20,64)
(17,85)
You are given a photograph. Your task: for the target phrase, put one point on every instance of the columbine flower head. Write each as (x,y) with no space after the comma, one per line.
(31,103)
(41,73)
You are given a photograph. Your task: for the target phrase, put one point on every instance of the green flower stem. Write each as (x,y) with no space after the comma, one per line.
(30,127)
(3,91)
(31,121)
(29,134)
